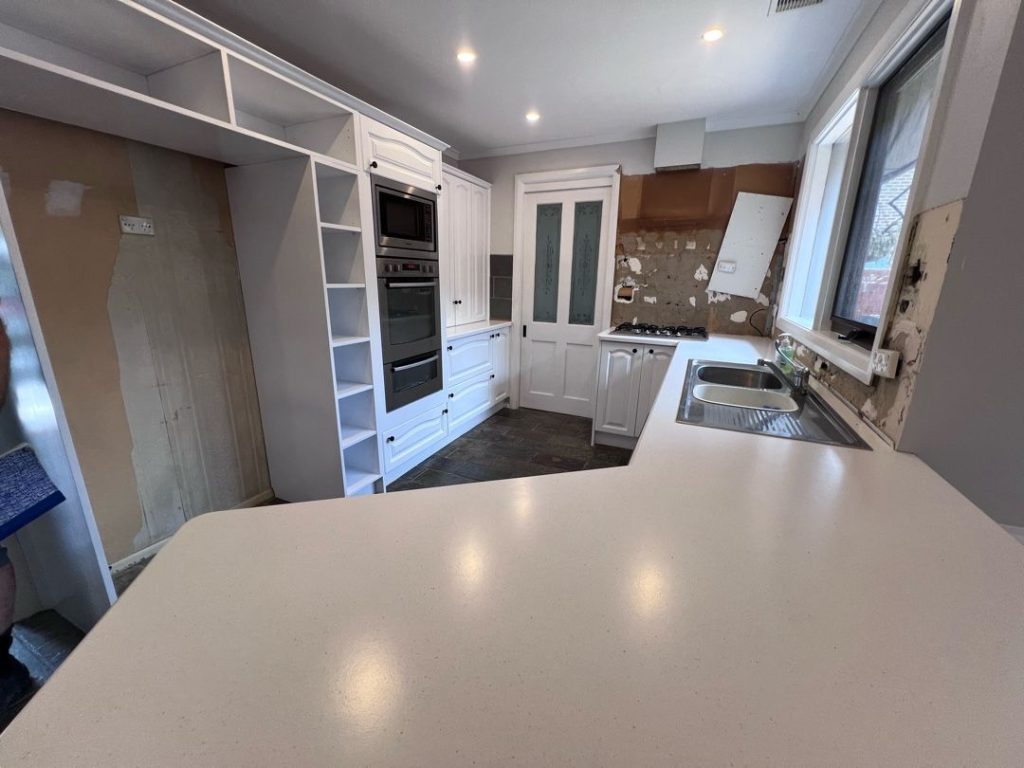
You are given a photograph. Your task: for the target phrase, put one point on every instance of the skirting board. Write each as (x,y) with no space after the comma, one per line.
(146,553)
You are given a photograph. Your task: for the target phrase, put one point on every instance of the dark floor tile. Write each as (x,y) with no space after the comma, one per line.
(432,478)
(565,463)
(468,469)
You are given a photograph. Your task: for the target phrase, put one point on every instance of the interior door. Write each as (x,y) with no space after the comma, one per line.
(565,262)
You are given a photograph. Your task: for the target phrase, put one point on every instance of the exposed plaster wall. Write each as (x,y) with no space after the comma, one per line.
(885,403)
(671,226)
(977,53)
(146,335)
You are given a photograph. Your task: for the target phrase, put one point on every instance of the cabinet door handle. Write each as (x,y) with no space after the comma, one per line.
(650,351)
(444,411)
(373,164)
(634,351)
(492,375)
(449,348)
(391,439)
(438,187)
(451,395)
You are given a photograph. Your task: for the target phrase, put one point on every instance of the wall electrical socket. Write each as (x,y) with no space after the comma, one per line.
(136,225)
(884,363)
(728,267)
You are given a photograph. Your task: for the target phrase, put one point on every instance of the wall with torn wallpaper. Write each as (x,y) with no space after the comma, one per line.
(147,335)
(671,226)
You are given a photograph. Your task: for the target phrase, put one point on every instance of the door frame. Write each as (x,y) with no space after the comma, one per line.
(560,181)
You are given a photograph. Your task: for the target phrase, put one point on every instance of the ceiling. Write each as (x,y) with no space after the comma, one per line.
(593,70)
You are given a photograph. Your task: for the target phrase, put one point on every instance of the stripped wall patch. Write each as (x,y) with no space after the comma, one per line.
(701,275)
(64,198)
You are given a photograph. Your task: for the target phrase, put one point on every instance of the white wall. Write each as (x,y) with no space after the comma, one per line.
(722,149)
(966,420)
(981,37)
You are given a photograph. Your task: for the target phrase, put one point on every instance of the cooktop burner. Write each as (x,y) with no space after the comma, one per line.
(673,331)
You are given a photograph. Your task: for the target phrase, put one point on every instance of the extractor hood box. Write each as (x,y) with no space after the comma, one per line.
(679,146)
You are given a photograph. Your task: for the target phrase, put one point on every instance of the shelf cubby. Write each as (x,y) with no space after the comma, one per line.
(352,364)
(268,104)
(356,418)
(348,314)
(362,466)
(337,195)
(121,46)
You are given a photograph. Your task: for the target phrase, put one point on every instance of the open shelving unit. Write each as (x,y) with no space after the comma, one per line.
(344,269)
(298,190)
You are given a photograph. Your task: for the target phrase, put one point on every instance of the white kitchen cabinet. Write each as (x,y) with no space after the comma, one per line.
(418,435)
(465,247)
(469,356)
(392,154)
(468,401)
(618,388)
(652,372)
(499,366)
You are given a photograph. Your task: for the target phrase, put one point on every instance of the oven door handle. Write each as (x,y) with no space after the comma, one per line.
(397,368)
(424,284)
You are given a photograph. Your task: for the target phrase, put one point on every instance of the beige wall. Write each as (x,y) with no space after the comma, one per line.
(147,335)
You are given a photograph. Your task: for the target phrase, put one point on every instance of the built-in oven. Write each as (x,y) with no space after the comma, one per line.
(410,325)
(406,381)
(405,220)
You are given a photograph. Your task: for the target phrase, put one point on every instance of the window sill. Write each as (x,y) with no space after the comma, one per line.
(848,357)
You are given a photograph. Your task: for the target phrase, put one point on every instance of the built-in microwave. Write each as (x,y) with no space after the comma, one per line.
(405,220)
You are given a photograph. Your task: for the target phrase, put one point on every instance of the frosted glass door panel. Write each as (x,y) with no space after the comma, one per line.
(545,275)
(586,240)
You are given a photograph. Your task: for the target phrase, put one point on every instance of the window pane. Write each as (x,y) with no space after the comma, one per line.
(897,133)
(586,239)
(545,273)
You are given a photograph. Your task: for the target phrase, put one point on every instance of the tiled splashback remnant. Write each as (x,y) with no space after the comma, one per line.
(885,403)
(501,286)
(671,226)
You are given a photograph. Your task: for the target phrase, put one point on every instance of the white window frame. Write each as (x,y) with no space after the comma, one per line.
(817,335)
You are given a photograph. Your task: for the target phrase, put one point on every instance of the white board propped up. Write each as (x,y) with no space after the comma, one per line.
(750,240)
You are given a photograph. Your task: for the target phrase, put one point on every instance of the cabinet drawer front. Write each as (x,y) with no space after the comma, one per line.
(469,399)
(469,357)
(415,435)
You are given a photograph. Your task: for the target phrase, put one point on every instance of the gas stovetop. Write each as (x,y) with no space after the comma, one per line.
(668,331)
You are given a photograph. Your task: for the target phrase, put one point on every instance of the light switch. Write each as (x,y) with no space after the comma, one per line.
(884,363)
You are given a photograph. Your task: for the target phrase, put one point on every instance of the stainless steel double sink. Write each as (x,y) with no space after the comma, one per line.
(754,399)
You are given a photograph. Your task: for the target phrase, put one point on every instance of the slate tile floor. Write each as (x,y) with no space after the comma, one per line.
(519,443)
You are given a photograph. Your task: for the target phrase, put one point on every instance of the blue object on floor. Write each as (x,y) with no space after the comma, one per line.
(26,491)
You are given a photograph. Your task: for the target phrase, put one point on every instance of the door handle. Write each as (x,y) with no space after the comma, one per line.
(397,368)
(423,284)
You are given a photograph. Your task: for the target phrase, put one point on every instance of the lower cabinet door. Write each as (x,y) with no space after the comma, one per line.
(414,436)
(469,357)
(499,366)
(468,401)
(656,361)
(618,385)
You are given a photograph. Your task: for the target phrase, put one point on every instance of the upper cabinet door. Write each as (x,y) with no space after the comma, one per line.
(465,255)
(476,270)
(394,155)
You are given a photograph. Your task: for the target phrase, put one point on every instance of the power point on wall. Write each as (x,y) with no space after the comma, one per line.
(136,225)
(884,363)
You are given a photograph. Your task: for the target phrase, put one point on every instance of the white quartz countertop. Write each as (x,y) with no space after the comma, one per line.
(725,600)
(468,329)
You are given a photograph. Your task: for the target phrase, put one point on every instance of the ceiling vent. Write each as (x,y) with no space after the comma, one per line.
(779,6)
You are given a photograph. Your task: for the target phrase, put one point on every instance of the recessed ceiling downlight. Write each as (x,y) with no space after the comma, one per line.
(713,35)
(532,116)
(466,56)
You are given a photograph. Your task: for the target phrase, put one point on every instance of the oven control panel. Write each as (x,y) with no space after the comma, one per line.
(395,267)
